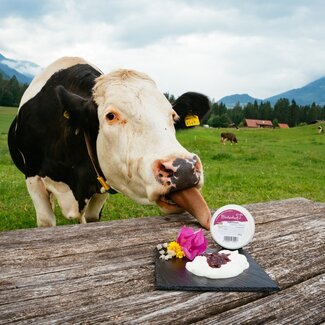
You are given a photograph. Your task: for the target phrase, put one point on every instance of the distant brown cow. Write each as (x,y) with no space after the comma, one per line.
(228,136)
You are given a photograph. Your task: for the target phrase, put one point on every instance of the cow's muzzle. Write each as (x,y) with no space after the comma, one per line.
(180,179)
(178,174)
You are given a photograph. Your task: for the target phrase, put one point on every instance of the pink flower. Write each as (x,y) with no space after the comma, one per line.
(192,243)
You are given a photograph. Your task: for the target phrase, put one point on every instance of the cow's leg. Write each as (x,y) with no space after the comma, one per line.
(52,200)
(41,200)
(68,204)
(94,207)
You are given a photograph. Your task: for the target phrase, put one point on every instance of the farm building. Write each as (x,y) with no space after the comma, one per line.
(258,123)
(283,126)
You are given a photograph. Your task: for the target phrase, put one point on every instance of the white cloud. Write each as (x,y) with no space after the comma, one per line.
(218,48)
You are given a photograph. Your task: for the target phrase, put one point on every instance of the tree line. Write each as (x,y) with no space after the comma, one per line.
(11,91)
(283,111)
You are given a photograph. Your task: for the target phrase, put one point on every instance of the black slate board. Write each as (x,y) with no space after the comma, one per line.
(172,275)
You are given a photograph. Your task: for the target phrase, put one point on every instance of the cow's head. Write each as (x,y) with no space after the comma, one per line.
(137,148)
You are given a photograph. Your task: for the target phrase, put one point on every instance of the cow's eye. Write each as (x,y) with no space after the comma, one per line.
(110,116)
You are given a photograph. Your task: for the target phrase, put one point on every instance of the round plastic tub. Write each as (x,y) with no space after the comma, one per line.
(232,226)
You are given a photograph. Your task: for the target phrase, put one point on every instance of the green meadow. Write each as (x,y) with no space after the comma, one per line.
(265,165)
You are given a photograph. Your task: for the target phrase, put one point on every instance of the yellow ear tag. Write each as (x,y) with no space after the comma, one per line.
(192,120)
(66,115)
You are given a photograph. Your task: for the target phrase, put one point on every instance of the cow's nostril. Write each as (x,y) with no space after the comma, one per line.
(165,169)
(164,172)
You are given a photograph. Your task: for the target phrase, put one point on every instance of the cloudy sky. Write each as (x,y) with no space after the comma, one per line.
(212,46)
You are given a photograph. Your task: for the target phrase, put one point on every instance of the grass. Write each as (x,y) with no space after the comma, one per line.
(265,165)
(7,114)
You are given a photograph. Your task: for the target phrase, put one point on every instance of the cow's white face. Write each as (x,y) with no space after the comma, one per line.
(136,145)
(136,129)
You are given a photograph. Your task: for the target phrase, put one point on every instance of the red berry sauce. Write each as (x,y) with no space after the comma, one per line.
(215,260)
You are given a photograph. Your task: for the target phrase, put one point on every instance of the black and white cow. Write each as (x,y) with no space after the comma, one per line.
(75,124)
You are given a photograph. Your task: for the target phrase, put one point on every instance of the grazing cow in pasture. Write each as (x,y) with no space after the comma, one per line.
(228,136)
(80,134)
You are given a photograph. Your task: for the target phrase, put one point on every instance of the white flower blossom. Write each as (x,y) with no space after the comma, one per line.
(171,253)
(164,253)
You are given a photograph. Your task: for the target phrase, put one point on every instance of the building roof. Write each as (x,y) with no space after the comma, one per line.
(258,123)
(283,126)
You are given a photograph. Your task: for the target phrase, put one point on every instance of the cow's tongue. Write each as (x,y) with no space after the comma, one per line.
(192,201)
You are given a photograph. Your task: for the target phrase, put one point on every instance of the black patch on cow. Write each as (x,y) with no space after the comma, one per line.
(42,141)
(186,174)
(190,103)
(15,154)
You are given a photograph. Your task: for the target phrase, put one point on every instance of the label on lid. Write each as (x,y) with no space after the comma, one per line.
(230,216)
(232,226)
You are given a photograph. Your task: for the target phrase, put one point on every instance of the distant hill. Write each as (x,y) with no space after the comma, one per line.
(306,95)
(242,99)
(312,92)
(23,70)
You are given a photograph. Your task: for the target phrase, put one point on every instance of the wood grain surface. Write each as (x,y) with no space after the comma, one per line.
(104,272)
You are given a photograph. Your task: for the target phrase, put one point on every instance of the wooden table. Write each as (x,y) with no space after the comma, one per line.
(104,272)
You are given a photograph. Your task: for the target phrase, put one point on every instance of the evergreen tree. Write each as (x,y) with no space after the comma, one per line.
(281,110)
(236,114)
(265,111)
(312,114)
(293,114)
(11,91)
(171,98)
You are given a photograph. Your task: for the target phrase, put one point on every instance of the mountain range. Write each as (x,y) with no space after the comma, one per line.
(306,95)
(23,70)
(313,92)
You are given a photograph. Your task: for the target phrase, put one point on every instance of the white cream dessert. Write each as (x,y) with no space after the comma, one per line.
(237,264)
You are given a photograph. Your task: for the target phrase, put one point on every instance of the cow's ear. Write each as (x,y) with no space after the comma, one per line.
(191,107)
(79,111)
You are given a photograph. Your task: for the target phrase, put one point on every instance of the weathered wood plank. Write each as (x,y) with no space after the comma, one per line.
(284,209)
(27,279)
(164,306)
(101,248)
(263,212)
(104,272)
(95,237)
(301,304)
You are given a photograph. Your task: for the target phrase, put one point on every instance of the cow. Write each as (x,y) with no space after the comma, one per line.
(80,134)
(228,136)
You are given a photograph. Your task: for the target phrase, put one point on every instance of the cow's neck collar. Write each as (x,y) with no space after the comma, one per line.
(100,176)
